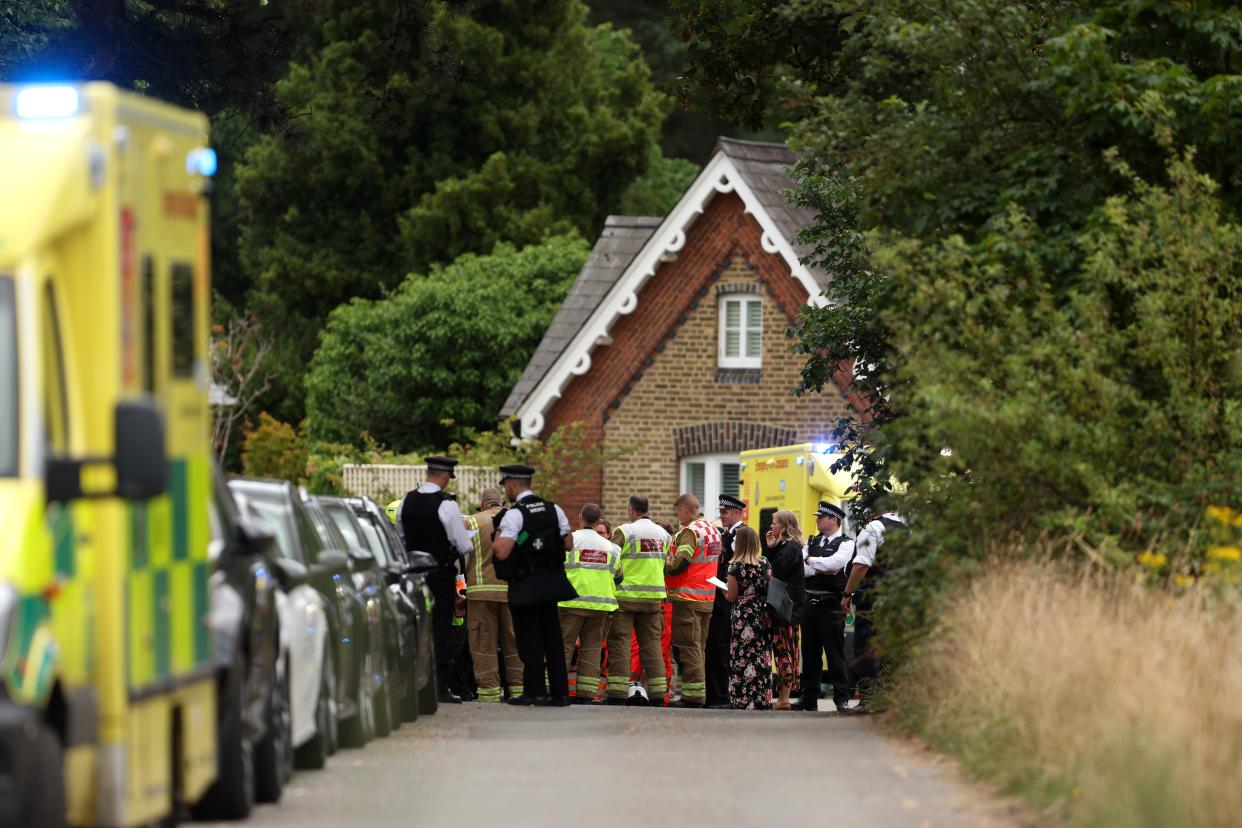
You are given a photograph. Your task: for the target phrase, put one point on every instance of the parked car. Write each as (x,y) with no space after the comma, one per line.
(254,754)
(371,592)
(338,713)
(407,581)
(371,578)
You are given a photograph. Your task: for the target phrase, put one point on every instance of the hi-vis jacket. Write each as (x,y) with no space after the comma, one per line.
(593,567)
(642,560)
(698,543)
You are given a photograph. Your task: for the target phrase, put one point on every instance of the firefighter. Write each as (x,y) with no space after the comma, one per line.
(430,521)
(640,599)
(691,561)
(488,623)
(594,568)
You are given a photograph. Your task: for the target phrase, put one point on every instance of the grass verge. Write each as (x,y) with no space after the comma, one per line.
(1098,700)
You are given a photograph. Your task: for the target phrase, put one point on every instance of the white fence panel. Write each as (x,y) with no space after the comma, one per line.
(385,483)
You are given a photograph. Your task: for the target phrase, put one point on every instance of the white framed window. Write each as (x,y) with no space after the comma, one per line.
(707,476)
(741,332)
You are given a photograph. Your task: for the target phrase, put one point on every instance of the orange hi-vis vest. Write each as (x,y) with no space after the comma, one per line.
(692,585)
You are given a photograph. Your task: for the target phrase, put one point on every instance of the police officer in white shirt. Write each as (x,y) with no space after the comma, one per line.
(430,521)
(866,668)
(824,559)
(536,534)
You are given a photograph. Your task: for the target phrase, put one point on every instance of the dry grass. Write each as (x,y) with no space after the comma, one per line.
(1102,702)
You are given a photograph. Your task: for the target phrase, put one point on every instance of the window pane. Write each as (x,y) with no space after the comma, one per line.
(730,479)
(754,314)
(148,325)
(183,320)
(733,346)
(696,479)
(754,343)
(733,314)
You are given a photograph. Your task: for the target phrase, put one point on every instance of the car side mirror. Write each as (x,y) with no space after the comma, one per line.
(331,563)
(141,461)
(140,465)
(361,556)
(254,539)
(290,573)
(420,562)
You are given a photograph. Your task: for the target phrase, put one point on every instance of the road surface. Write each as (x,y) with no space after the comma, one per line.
(495,765)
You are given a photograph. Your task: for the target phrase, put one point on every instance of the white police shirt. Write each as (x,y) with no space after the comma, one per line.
(830,565)
(511,522)
(871,538)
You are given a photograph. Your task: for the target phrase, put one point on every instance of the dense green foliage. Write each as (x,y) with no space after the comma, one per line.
(410,148)
(207,54)
(1031,272)
(450,343)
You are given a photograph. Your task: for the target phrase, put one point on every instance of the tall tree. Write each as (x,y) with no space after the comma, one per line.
(450,343)
(212,55)
(506,123)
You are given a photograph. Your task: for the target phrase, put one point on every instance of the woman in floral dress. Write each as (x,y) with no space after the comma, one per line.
(750,647)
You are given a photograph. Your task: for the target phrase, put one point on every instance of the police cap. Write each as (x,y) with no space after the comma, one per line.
(730,502)
(827,509)
(516,471)
(441,464)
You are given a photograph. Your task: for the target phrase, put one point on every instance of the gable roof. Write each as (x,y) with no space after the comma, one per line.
(762,166)
(620,241)
(629,251)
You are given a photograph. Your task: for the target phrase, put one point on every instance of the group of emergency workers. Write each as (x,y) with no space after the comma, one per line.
(542,599)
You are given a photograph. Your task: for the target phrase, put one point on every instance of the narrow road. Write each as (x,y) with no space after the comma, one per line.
(483,765)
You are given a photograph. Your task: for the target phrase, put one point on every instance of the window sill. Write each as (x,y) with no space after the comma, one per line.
(739,376)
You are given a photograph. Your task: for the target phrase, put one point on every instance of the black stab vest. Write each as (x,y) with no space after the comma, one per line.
(420,521)
(539,547)
(820,547)
(726,551)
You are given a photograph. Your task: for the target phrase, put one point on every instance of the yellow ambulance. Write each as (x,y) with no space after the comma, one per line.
(107,697)
(791,477)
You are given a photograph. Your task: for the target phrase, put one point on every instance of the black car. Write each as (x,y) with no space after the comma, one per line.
(254,750)
(414,675)
(372,594)
(329,571)
(371,577)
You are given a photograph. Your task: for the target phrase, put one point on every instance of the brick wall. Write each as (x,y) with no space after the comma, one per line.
(660,373)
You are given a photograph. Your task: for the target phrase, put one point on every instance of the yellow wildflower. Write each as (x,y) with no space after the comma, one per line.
(1221,514)
(1153,560)
(1184,581)
(1224,553)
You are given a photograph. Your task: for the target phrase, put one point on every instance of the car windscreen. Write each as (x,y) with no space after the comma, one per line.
(8,378)
(277,516)
(344,520)
(374,542)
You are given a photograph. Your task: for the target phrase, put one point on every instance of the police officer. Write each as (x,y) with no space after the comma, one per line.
(824,559)
(430,521)
(719,632)
(536,534)
(866,668)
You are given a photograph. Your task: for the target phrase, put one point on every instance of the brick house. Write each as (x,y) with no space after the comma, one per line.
(672,339)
